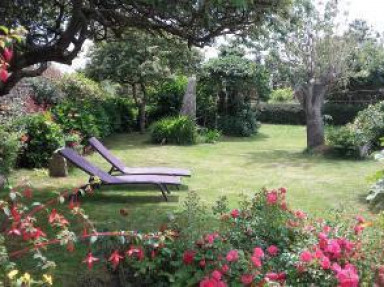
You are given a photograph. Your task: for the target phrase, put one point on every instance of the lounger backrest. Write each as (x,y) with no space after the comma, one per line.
(83,164)
(105,153)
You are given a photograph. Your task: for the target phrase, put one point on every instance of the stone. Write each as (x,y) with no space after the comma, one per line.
(189,101)
(58,166)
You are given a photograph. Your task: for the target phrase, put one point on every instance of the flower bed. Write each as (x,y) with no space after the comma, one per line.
(262,242)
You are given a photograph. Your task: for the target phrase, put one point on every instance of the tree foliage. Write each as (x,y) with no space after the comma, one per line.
(57,29)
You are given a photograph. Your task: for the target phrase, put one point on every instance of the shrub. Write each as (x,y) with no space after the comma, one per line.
(77,87)
(42,136)
(45,91)
(9,148)
(208,136)
(281,96)
(344,142)
(293,114)
(166,99)
(174,130)
(243,124)
(369,125)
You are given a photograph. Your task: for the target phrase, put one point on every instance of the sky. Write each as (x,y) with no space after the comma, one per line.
(370,10)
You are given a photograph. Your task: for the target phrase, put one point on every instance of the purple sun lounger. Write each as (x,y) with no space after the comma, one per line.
(160,181)
(118,166)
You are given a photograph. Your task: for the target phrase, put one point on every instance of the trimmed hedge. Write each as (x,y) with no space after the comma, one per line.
(293,114)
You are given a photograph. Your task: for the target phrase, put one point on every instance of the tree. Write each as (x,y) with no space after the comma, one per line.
(316,54)
(57,29)
(140,60)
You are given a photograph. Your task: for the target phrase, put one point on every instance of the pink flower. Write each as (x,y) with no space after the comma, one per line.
(216,275)
(246,279)
(327,229)
(202,263)
(283,190)
(325,263)
(305,256)
(300,214)
(334,248)
(256,261)
(258,252)
(115,258)
(208,282)
(188,257)
(360,219)
(272,197)
(273,250)
(235,213)
(358,229)
(348,277)
(3,75)
(319,254)
(224,268)
(272,276)
(8,54)
(232,256)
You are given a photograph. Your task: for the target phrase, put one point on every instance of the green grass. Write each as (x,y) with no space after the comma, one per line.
(273,158)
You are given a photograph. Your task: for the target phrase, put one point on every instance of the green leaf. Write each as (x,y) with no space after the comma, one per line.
(4,29)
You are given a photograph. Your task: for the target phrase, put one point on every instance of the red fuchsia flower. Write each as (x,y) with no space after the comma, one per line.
(325,263)
(90,260)
(348,276)
(232,256)
(216,275)
(52,216)
(235,213)
(15,214)
(115,258)
(14,231)
(27,193)
(136,251)
(38,233)
(246,279)
(8,54)
(272,197)
(273,250)
(4,75)
(224,268)
(300,214)
(306,256)
(188,257)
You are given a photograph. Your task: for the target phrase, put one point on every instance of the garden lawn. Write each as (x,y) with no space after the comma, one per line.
(273,158)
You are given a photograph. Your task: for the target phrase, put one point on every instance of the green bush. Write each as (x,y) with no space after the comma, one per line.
(281,96)
(77,87)
(343,141)
(166,99)
(293,114)
(174,130)
(208,136)
(369,125)
(42,137)
(46,91)
(243,124)
(9,148)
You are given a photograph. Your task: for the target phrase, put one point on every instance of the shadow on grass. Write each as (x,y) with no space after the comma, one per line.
(256,138)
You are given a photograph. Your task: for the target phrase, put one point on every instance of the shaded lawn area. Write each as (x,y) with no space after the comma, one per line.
(273,158)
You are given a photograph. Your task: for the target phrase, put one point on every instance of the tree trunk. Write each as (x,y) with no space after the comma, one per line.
(142,115)
(311,97)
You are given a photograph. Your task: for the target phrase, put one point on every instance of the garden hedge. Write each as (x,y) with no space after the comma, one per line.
(293,114)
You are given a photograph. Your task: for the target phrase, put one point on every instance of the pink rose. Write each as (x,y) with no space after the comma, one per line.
(216,275)
(235,213)
(256,261)
(258,252)
(246,279)
(3,75)
(188,257)
(325,263)
(232,256)
(273,250)
(283,190)
(272,197)
(348,277)
(306,256)
(225,268)
(300,214)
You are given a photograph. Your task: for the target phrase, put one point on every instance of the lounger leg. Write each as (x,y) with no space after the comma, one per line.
(167,189)
(178,187)
(163,190)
